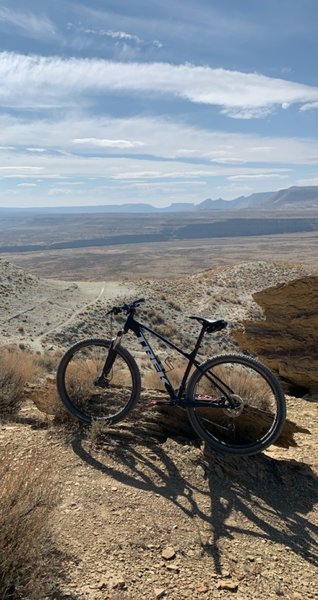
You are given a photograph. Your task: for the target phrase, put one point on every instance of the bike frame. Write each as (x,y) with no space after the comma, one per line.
(176,396)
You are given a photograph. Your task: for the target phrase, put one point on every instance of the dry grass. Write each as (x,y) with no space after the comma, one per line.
(246,383)
(17,368)
(151,379)
(27,498)
(49,361)
(256,413)
(25,376)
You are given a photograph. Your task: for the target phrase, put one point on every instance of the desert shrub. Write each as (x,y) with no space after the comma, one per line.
(167,330)
(174,305)
(16,369)
(49,361)
(43,393)
(27,498)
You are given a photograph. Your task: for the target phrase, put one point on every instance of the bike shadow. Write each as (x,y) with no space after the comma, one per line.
(270,498)
(256,496)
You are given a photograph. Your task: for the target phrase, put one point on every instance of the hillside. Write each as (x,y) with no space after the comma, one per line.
(41,311)
(141,514)
(294,197)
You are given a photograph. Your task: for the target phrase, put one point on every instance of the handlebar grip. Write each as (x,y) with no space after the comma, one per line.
(125,307)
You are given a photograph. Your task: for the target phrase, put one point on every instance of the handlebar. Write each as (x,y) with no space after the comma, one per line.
(126,308)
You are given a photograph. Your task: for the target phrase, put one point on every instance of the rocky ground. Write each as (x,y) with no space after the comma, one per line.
(44,313)
(145,516)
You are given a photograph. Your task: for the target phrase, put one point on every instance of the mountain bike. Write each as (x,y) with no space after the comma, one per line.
(233,401)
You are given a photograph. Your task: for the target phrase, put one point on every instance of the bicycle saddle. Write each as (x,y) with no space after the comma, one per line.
(211,325)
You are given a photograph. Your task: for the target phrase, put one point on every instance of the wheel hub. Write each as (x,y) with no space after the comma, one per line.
(237,410)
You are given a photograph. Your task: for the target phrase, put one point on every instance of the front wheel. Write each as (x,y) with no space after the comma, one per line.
(249,408)
(90,395)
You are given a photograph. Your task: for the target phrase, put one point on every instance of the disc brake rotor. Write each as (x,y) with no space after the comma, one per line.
(237,411)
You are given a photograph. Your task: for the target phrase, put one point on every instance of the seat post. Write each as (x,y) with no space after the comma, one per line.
(199,340)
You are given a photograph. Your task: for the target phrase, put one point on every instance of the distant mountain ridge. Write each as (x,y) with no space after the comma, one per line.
(252,201)
(293,197)
(306,197)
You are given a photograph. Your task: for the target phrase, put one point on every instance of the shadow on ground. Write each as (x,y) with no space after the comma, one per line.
(269,498)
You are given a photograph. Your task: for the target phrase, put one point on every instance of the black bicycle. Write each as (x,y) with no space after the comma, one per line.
(234,402)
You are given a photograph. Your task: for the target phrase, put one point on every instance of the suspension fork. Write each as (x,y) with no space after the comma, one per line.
(110,359)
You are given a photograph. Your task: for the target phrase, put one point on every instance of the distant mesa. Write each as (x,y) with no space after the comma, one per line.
(292,210)
(306,197)
(252,201)
(293,197)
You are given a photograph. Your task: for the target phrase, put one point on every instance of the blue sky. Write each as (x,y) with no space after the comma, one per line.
(108,102)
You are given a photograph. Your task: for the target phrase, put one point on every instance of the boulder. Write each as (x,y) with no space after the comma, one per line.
(286,339)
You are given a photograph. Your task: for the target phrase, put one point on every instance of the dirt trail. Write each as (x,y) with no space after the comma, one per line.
(108,291)
(35,308)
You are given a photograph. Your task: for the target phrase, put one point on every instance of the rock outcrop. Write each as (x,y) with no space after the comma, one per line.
(287,338)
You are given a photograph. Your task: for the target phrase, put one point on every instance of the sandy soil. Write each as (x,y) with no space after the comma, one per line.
(145,516)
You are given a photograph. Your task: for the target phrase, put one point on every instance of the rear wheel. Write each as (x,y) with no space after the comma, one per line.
(258,414)
(86,393)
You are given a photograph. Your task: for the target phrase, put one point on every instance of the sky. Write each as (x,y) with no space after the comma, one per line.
(112,102)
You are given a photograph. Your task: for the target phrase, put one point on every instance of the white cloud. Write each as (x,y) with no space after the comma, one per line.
(309,106)
(104,143)
(36,149)
(247,113)
(118,36)
(257,176)
(40,81)
(229,160)
(121,35)
(60,191)
(10,168)
(308,181)
(160,137)
(122,169)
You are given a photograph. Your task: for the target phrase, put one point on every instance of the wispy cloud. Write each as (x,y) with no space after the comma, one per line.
(117,36)
(36,149)
(104,143)
(309,106)
(308,181)
(160,137)
(257,176)
(29,24)
(35,80)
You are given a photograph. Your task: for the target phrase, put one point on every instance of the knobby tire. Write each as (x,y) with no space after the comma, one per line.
(258,421)
(78,372)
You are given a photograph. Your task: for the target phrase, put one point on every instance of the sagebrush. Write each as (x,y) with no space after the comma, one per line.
(28,495)
(16,369)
